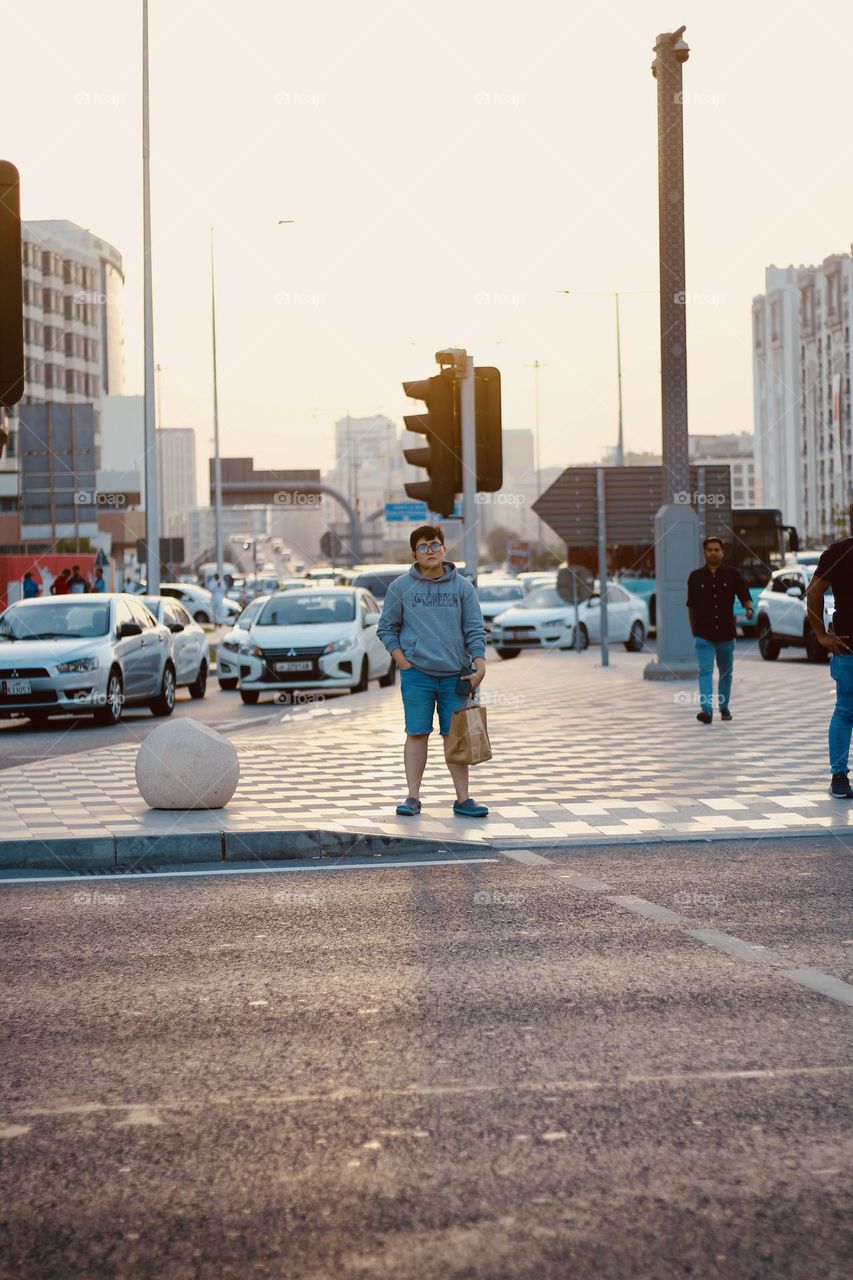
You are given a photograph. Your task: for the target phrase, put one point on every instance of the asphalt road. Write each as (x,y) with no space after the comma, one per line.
(475,1070)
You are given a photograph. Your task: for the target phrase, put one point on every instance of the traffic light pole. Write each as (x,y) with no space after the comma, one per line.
(467,408)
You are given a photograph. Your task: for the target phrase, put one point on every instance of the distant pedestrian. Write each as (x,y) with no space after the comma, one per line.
(217,593)
(77,584)
(432,626)
(60,586)
(30,587)
(99,584)
(835,571)
(711,593)
(129,586)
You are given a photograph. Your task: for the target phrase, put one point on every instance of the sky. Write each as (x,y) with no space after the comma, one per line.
(448,169)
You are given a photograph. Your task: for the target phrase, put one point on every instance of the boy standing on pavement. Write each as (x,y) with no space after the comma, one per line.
(711,595)
(835,570)
(432,626)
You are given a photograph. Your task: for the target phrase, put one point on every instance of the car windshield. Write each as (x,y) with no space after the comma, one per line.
(376,583)
(58,621)
(302,608)
(545,598)
(152,604)
(498,592)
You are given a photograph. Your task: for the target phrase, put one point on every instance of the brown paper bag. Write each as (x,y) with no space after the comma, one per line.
(468,740)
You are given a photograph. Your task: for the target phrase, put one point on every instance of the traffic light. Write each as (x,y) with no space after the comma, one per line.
(11,288)
(442,456)
(487,401)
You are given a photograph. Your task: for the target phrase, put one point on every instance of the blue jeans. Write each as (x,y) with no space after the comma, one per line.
(841,724)
(421,693)
(724,652)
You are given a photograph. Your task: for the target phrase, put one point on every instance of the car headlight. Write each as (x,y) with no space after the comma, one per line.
(552,622)
(231,645)
(252,650)
(337,645)
(79,664)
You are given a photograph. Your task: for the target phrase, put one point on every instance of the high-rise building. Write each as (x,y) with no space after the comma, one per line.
(736,449)
(801,377)
(176,470)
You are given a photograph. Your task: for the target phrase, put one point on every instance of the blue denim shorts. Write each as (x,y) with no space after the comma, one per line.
(421,694)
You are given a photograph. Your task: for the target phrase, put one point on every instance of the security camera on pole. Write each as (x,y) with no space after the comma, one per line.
(676,523)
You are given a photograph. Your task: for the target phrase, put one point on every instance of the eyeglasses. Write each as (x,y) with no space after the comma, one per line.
(428,546)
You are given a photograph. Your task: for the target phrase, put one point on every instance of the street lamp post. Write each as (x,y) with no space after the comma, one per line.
(152,521)
(676,524)
(217,457)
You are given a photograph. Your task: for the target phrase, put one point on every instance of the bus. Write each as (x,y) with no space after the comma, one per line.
(757,542)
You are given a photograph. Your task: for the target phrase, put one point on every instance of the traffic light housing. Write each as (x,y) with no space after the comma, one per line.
(11,288)
(442,455)
(487,402)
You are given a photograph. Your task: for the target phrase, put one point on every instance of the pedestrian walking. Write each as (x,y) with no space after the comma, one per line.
(217,594)
(432,626)
(29,587)
(60,585)
(77,584)
(835,571)
(99,584)
(711,593)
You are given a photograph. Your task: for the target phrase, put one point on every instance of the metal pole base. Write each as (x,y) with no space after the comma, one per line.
(657,670)
(676,554)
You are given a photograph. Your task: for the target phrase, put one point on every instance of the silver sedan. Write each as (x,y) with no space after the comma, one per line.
(88,654)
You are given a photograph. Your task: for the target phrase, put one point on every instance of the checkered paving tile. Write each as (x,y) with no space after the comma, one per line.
(580,753)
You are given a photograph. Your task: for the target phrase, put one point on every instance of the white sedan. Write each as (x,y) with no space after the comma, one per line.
(321,639)
(782,614)
(189,643)
(544,620)
(228,653)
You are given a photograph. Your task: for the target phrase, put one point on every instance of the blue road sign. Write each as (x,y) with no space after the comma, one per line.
(416,513)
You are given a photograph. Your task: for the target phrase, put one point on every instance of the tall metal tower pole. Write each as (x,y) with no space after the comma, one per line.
(217,457)
(152,522)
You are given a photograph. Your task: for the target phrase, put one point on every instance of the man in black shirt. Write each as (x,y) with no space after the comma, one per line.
(710,604)
(835,570)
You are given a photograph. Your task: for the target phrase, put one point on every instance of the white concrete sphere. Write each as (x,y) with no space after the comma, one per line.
(186,765)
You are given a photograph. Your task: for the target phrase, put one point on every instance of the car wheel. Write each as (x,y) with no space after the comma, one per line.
(199,685)
(110,712)
(767,646)
(361,687)
(584,636)
(201,617)
(507,653)
(390,677)
(637,638)
(249,696)
(164,703)
(814,652)
(653,611)
(228,684)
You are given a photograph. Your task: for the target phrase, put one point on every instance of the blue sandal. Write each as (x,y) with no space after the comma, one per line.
(470,809)
(410,807)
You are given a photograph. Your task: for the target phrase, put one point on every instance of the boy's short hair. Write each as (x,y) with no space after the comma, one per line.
(430,531)
(710,538)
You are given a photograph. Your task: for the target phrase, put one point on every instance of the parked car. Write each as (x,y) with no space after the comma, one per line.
(324,638)
(197,601)
(544,620)
(84,655)
(227,655)
(189,643)
(782,615)
(377,578)
(496,595)
(534,579)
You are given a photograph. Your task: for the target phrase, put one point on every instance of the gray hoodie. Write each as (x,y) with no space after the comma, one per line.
(435,621)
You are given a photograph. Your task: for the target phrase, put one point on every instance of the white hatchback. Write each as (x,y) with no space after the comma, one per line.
(321,639)
(782,614)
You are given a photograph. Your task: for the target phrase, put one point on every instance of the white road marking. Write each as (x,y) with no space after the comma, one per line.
(526,856)
(650,910)
(248,871)
(825,983)
(734,946)
(589,884)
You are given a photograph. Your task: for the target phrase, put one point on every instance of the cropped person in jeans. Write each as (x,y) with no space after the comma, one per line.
(835,570)
(711,595)
(432,626)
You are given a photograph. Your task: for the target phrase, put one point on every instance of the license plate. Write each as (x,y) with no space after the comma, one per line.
(293,666)
(517,635)
(12,687)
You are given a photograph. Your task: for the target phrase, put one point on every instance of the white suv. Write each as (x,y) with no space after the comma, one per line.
(782,620)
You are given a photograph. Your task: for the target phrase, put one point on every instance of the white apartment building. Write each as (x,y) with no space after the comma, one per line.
(801,367)
(176,469)
(738,451)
